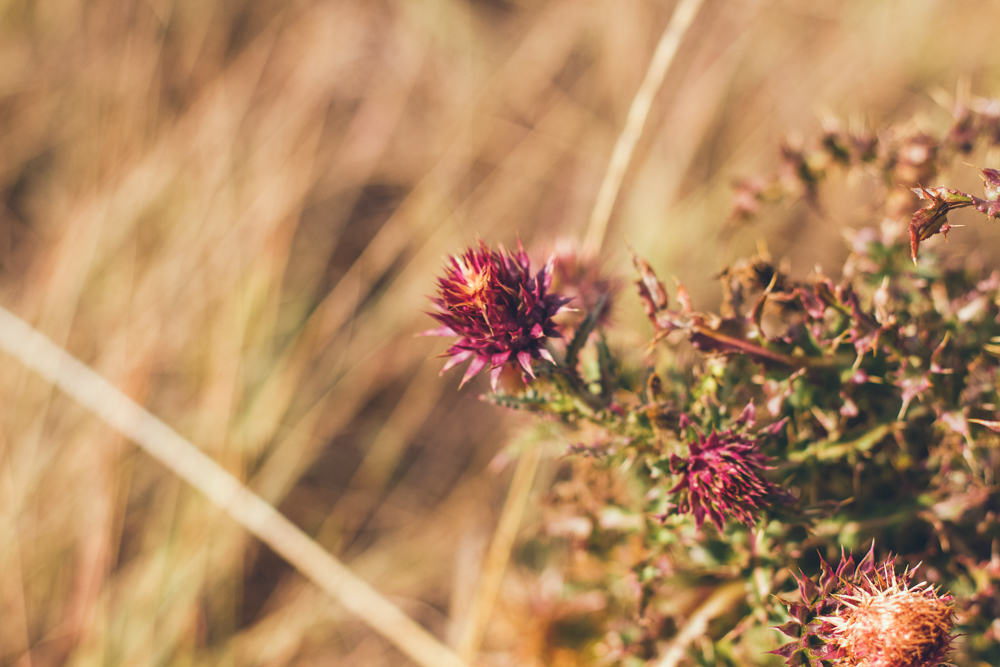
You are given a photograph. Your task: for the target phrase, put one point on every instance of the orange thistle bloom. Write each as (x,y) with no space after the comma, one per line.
(868,617)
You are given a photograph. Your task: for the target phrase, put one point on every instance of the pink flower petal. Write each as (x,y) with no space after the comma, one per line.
(524,358)
(478,364)
(494,377)
(456,360)
(440,331)
(499,359)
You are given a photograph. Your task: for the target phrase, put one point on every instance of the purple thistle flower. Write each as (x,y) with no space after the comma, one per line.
(500,311)
(722,476)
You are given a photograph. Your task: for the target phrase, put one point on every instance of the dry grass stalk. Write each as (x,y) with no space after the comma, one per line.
(190,464)
(681,20)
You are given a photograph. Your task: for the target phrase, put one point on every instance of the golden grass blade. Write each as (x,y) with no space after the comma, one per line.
(499,553)
(95,393)
(681,20)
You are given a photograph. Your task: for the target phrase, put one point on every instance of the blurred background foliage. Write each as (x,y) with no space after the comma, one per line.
(233,210)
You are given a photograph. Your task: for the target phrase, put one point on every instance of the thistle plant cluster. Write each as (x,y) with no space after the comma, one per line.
(741,450)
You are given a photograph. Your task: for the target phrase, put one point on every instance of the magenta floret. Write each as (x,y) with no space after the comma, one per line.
(723,476)
(501,313)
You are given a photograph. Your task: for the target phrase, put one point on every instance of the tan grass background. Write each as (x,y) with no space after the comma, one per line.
(233,210)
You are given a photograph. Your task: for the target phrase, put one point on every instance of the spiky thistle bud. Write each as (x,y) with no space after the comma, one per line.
(501,313)
(869,617)
(723,475)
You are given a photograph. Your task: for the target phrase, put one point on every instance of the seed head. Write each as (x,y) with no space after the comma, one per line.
(501,313)
(868,617)
(889,622)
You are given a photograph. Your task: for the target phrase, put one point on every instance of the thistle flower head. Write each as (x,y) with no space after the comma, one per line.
(501,313)
(722,475)
(869,617)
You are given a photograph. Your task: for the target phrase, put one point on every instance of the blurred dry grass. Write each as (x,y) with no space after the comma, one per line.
(233,211)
